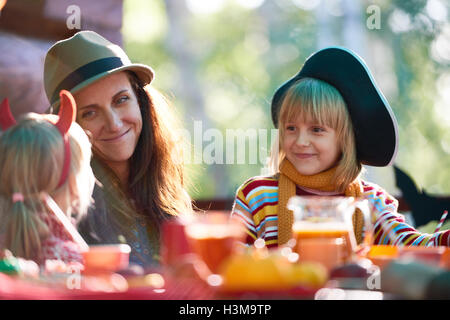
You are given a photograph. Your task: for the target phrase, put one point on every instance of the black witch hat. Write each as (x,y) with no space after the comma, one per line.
(373,120)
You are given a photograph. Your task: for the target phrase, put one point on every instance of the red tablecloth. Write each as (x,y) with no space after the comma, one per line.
(18,289)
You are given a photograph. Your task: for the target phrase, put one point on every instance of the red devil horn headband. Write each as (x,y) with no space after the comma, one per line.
(66,116)
(6,118)
(67,113)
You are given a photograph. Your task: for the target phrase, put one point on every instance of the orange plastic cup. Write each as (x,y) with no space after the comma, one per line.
(106,258)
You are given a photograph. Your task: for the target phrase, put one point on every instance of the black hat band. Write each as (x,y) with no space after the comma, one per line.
(85,72)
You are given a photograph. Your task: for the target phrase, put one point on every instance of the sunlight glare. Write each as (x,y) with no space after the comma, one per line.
(306,4)
(440,48)
(250,4)
(399,21)
(436,10)
(204,6)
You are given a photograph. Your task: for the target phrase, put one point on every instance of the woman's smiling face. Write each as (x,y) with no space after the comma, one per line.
(310,147)
(110,111)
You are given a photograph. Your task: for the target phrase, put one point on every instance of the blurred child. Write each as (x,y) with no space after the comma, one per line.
(332,119)
(46,180)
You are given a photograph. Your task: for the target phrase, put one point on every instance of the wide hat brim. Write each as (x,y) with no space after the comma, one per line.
(86,57)
(374,123)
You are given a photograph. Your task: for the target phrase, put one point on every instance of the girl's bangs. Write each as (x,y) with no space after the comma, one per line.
(316,101)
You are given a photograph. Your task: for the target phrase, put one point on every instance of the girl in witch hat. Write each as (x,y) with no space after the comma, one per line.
(332,119)
(46,181)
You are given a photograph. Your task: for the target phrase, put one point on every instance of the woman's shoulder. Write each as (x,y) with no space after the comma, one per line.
(259,182)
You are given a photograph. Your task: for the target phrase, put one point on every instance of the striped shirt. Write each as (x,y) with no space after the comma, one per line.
(256,205)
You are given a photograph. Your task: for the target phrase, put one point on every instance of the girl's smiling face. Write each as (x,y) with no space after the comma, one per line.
(311,147)
(109,110)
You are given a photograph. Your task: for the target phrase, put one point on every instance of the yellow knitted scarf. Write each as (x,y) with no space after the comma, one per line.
(323,181)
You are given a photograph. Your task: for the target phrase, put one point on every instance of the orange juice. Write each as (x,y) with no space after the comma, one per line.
(213,241)
(330,252)
(320,233)
(213,251)
(303,231)
(329,243)
(382,255)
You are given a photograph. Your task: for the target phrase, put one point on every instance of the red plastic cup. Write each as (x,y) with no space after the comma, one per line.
(174,243)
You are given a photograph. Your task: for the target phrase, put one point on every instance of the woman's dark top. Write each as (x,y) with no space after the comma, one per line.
(98,227)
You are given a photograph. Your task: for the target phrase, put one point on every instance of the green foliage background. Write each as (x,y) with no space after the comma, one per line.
(239,56)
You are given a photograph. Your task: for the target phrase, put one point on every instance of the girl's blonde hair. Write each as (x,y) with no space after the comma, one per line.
(324,105)
(31,159)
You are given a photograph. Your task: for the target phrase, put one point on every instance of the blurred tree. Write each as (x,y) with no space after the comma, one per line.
(410,30)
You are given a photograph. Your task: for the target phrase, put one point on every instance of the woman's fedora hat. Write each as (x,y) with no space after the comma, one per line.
(373,120)
(72,64)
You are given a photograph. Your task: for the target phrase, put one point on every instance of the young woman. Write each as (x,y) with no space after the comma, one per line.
(137,154)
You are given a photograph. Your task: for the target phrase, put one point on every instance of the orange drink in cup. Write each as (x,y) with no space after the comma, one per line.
(330,252)
(213,238)
(323,228)
(382,255)
(331,247)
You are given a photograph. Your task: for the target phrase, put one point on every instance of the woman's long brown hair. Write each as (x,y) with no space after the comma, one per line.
(157,179)
(156,188)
